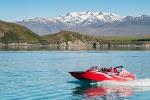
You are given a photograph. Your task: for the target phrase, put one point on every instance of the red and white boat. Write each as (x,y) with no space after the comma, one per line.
(96,74)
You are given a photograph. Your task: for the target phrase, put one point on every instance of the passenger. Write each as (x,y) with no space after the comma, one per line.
(110,69)
(115,70)
(118,69)
(100,70)
(103,70)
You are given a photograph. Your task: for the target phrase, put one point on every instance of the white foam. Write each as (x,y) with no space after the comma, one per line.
(137,85)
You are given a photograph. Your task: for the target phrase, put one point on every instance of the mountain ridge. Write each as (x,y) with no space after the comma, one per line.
(97,23)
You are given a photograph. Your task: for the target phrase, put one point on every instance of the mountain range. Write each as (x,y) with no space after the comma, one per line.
(14,34)
(18,35)
(91,23)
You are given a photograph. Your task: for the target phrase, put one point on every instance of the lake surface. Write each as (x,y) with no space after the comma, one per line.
(43,75)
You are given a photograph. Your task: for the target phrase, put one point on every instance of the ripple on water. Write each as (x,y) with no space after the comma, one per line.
(44,75)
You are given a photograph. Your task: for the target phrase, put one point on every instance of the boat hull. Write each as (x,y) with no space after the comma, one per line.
(98,76)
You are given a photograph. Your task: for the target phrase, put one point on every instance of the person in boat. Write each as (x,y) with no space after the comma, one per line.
(94,68)
(104,70)
(118,69)
(110,70)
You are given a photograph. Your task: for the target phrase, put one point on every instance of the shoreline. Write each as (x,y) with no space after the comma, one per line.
(38,46)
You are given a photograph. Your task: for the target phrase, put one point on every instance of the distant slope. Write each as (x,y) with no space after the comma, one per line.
(66,36)
(14,33)
(72,39)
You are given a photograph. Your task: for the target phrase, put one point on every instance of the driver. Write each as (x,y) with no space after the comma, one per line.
(118,69)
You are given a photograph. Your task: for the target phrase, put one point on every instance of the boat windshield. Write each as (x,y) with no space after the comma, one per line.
(119,68)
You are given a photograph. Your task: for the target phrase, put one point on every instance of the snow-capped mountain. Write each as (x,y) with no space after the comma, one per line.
(90,22)
(75,18)
(88,17)
(40,20)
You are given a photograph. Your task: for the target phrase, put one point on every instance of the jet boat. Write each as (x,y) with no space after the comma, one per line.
(95,74)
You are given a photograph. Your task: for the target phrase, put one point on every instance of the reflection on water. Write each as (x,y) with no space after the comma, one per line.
(103,92)
(111,90)
(47,48)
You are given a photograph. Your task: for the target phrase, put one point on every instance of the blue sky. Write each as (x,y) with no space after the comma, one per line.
(11,10)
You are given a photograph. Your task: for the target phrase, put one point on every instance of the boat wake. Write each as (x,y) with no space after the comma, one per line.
(113,89)
(137,85)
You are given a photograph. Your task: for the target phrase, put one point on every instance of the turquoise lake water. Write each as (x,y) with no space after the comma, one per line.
(43,75)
